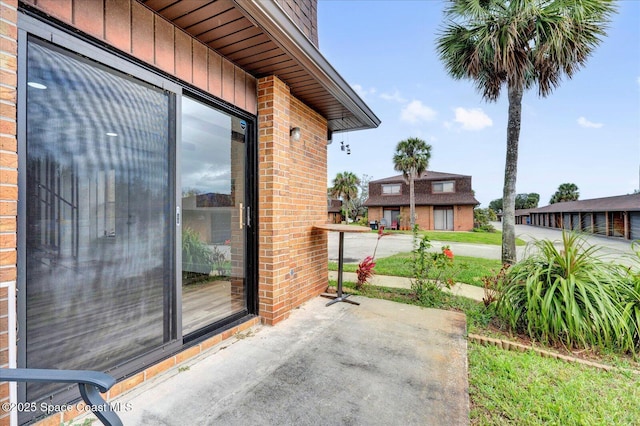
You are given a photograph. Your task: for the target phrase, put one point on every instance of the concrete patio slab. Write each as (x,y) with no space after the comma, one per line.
(380,363)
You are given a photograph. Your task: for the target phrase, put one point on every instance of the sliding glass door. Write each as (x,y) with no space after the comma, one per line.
(213,164)
(135,232)
(99,215)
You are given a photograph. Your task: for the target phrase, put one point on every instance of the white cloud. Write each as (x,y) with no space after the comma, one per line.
(395,96)
(415,111)
(472,119)
(362,92)
(586,123)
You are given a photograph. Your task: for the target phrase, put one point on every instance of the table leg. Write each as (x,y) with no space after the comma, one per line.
(340,297)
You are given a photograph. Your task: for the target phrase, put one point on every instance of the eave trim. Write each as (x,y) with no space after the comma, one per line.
(270,17)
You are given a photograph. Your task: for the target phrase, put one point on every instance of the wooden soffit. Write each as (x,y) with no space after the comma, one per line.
(259,37)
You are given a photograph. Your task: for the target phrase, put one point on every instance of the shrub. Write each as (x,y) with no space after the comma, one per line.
(631,297)
(365,268)
(196,255)
(484,228)
(569,296)
(431,271)
(365,271)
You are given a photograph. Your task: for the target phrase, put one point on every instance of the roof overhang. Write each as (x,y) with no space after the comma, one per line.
(259,37)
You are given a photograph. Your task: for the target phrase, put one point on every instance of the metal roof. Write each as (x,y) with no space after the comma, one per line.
(259,37)
(629,202)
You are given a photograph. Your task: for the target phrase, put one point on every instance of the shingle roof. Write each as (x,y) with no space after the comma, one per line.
(629,202)
(428,175)
(446,199)
(335,206)
(423,199)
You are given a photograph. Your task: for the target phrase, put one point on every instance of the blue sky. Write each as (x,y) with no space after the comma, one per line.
(586,132)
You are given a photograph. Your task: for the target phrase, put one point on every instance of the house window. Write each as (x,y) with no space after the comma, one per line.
(446,186)
(391,189)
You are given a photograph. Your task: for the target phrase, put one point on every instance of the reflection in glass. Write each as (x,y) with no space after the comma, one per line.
(98,227)
(213,167)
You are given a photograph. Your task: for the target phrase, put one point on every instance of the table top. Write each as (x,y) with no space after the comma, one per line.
(342,228)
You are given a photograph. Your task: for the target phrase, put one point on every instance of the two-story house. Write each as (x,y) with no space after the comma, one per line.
(443,201)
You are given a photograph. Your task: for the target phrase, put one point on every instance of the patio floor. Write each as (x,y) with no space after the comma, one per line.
(380,363)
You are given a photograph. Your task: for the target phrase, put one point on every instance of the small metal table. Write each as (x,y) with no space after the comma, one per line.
(340,297)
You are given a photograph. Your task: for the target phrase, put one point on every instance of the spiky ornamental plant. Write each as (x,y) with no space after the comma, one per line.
(569,296)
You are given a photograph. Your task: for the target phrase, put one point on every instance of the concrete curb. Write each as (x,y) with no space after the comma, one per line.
(513,346)
(458,289)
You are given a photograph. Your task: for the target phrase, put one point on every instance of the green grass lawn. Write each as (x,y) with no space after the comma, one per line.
(469,269)
(507,387)
(491,238)
(523,388)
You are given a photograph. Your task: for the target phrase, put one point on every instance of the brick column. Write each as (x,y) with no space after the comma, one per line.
(8,189)
(274,198)
(293,198)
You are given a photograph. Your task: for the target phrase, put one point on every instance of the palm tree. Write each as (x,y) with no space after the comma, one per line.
(412,159)
(565,192)
(518,44)
(345,186)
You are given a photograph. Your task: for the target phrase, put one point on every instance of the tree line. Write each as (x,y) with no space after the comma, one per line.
(565,192)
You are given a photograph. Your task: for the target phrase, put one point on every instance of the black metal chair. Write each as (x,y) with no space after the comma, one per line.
(90,383)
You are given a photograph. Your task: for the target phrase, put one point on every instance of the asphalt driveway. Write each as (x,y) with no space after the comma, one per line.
(358,246)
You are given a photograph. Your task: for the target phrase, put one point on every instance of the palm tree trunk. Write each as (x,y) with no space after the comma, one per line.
(510,174)
(412,200)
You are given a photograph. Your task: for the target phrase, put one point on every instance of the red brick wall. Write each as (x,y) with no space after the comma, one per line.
(305,14)
(293,197)
(462,217)
(8,180)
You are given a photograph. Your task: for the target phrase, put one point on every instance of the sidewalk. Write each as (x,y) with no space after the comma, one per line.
(459,289)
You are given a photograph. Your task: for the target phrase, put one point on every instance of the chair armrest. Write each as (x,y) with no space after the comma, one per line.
(90,383)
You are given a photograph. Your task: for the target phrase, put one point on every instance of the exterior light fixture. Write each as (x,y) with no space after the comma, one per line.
(295,134)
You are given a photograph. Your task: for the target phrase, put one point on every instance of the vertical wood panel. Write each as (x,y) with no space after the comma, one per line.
(117,24)
(88,16)
(200,65)
(61,9)
(142,35)
(228,81)
(164,55)
(215,74)
(239,88)
(251,100)
(183,56)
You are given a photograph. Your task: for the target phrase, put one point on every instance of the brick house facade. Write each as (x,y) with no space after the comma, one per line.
(443,201)
(266,83)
